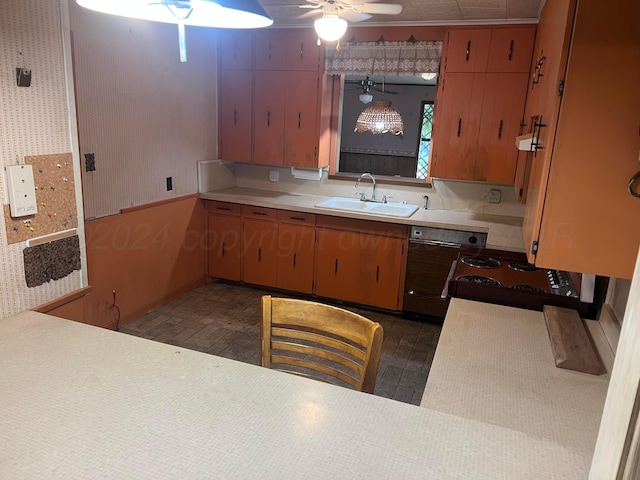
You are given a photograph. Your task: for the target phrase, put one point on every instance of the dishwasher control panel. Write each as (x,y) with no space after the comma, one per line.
(446,236)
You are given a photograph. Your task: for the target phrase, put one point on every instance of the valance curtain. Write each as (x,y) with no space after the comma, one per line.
(384,58)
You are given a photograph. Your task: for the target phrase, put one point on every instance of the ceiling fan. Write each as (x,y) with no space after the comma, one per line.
(367,85)
(336,13)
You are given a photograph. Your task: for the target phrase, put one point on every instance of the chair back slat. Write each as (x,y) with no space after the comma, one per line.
(346,362)
(318,368)
(354,351)
(331,341)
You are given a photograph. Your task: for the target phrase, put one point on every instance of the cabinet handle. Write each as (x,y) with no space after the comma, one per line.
(258,213)
(235,116)
(468,49)
(269,55)
(302,219)
(301,51)
(500,130)
(377,273)
(511,50)
(259,254)
(459,126)
(299,119)
(294,260)
(633,180)
(222,252)
(268,118)
(223,208)
(335,270)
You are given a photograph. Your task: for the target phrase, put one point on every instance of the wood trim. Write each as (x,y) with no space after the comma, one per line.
(363,226)
(158,203)
(412,182)
(32,242)
(58,302)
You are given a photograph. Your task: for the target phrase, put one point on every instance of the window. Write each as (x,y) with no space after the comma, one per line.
(424,141)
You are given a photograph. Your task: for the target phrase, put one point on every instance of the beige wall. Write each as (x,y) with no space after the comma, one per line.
(33,121)
(144,115)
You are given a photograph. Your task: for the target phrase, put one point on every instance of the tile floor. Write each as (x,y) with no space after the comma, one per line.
(224,319)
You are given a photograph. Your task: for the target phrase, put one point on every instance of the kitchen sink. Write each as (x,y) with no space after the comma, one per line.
(354,205)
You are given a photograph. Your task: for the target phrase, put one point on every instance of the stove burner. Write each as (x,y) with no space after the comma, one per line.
(479,280)
(528,288)
(482,262)
(523,267)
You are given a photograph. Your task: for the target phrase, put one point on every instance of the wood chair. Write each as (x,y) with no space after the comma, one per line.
(321,342)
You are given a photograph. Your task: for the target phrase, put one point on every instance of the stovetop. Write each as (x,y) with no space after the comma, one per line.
(507,278)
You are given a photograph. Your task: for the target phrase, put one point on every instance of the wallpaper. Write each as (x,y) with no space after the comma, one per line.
(143,114)
(33,121)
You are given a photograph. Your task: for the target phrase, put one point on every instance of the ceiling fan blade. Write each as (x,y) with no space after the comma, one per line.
(378,8)
(352,16)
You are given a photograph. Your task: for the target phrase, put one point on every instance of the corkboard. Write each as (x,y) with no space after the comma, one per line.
(51,261)
(55,196)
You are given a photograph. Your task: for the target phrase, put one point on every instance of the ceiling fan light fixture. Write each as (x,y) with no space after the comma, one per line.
(365,98)
(330,28)
(380,117)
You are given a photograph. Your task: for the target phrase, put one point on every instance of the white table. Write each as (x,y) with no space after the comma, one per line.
(77,401)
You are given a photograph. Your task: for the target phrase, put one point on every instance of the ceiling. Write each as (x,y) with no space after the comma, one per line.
(422,12)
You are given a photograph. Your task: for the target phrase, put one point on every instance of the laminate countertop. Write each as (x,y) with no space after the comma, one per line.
(83,402)
(494,364)
(504,233)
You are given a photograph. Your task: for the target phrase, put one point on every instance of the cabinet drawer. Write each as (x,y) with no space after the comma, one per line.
(262,213)
(224,208)
(300,218)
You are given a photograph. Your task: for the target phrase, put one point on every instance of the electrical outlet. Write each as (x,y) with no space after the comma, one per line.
(169,184)
(494,195)
(274,175)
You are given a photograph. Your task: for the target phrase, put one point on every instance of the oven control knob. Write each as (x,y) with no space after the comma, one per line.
(473,239)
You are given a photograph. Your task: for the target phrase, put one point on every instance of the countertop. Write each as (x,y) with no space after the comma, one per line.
(494,364)
(83,402)
(504,233)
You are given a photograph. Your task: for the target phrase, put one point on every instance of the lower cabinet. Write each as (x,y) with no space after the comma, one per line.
(224,241)
(364,264)
(296,247)
(260,237)
(358,261)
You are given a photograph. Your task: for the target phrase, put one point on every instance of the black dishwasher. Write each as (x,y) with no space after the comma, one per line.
(430,259)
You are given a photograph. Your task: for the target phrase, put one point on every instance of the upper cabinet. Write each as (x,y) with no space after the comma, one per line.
(285,106)
(580,215)
(480,104)
(496,50)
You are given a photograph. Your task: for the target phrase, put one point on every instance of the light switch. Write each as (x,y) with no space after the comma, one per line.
(22,191)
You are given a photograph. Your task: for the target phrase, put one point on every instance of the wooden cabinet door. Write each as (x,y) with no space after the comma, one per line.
(379,270)
(502,111)
(235,89)
(271,50)
(458,122)
(296,246)
(260,252)
(468,50)
(235,50)
(268,119)
(336,269)
(511,49)
(303,52)
(301,117)
(224,238)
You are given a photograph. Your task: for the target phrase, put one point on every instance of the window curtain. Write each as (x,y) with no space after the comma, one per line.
(384,58)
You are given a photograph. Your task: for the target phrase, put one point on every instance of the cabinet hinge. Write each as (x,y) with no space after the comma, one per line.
(560,90)
(315,152)
(534,247)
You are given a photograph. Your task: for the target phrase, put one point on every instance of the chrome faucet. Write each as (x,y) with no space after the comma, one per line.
(373,192)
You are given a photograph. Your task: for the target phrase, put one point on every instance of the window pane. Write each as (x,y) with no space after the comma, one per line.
(425,140)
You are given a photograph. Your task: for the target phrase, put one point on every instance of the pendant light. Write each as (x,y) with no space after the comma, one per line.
(199,13)
(380,117)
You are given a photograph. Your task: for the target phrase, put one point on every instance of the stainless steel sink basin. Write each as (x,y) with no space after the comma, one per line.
(354,205)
